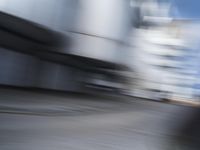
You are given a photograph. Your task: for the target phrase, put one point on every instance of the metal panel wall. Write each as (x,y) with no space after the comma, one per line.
(56,14)
(57,77)
(17,69)
(101,28)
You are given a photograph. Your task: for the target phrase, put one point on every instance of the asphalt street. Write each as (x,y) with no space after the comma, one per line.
(40,120)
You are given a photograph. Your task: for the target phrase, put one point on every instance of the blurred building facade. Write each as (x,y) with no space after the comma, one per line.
(163,55)
(132,46)
(63,45)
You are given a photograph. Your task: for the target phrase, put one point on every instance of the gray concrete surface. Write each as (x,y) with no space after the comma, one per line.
(104,123)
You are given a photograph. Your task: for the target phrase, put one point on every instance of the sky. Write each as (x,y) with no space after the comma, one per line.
(187,8)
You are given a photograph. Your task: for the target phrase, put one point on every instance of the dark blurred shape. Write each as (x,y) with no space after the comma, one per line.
(28,30)
(189,132)
(27,37)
